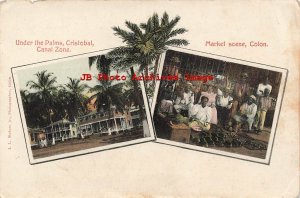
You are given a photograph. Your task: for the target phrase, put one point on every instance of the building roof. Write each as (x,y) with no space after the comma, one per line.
(30,130)
(99,119)
(63,121)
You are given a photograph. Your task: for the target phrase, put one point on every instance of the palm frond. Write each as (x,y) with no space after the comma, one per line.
(51,81)
(165,19)
(134,28)
(103,64)
(173,22)
(177,42)
(143,26)
(177,31)
(96,88)
(33,85)
(92,60)
(155,21)
(119,52)
(149,27)
(123,34)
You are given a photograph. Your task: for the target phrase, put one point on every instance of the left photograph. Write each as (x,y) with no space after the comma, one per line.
(73,106)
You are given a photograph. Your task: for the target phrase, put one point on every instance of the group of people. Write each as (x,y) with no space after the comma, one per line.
(218,105)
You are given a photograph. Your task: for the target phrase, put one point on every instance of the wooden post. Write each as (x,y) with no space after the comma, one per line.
(116,125)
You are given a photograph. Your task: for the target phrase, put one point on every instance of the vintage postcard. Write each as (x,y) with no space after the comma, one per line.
(218,104)
(79,105)
(225,121)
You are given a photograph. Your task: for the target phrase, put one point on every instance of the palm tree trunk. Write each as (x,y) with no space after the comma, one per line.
(155,68)
(138,97)
(146,71)
(82,106)
(156,65)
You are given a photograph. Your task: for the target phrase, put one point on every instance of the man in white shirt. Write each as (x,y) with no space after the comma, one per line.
(200,115)
(247,113)
(224,104)
(262,86)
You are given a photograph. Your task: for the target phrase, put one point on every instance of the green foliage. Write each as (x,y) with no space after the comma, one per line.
(76,100)
(48,102)
(145,42)
(106,94)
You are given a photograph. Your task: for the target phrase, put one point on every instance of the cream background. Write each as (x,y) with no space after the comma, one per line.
(151,169)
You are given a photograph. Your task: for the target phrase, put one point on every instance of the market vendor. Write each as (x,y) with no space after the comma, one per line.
(246,114)
(200,115)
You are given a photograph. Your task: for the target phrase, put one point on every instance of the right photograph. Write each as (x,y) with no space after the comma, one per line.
(217,104)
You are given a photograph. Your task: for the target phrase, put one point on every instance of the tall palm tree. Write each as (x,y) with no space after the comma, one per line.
(77,99)
(107,94)
(45,88)
(144,44)
(61,104)
(32,109)
(165,34)
(129,94)
(24,97)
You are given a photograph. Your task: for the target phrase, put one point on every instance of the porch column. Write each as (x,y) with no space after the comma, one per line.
(107,125)
(116,125)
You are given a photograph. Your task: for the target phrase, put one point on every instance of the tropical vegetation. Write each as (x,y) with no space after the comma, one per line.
(144,43)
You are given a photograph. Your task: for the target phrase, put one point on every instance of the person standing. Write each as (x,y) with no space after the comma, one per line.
(240,92)
(197,94)
(211,103)
(260,93)
(264,105)
(224,104)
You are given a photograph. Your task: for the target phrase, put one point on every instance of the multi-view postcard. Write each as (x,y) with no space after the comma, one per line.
(79,105)
(217,104)
(102,100)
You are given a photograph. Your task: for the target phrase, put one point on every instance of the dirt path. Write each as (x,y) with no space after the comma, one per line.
(73,145)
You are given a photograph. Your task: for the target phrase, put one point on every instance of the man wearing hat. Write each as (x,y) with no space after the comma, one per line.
(246,114)
(240,92)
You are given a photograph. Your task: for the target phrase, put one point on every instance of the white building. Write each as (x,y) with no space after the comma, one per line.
(102,123)
(61,130)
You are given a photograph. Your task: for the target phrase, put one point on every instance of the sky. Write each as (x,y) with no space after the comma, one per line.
(62,70)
